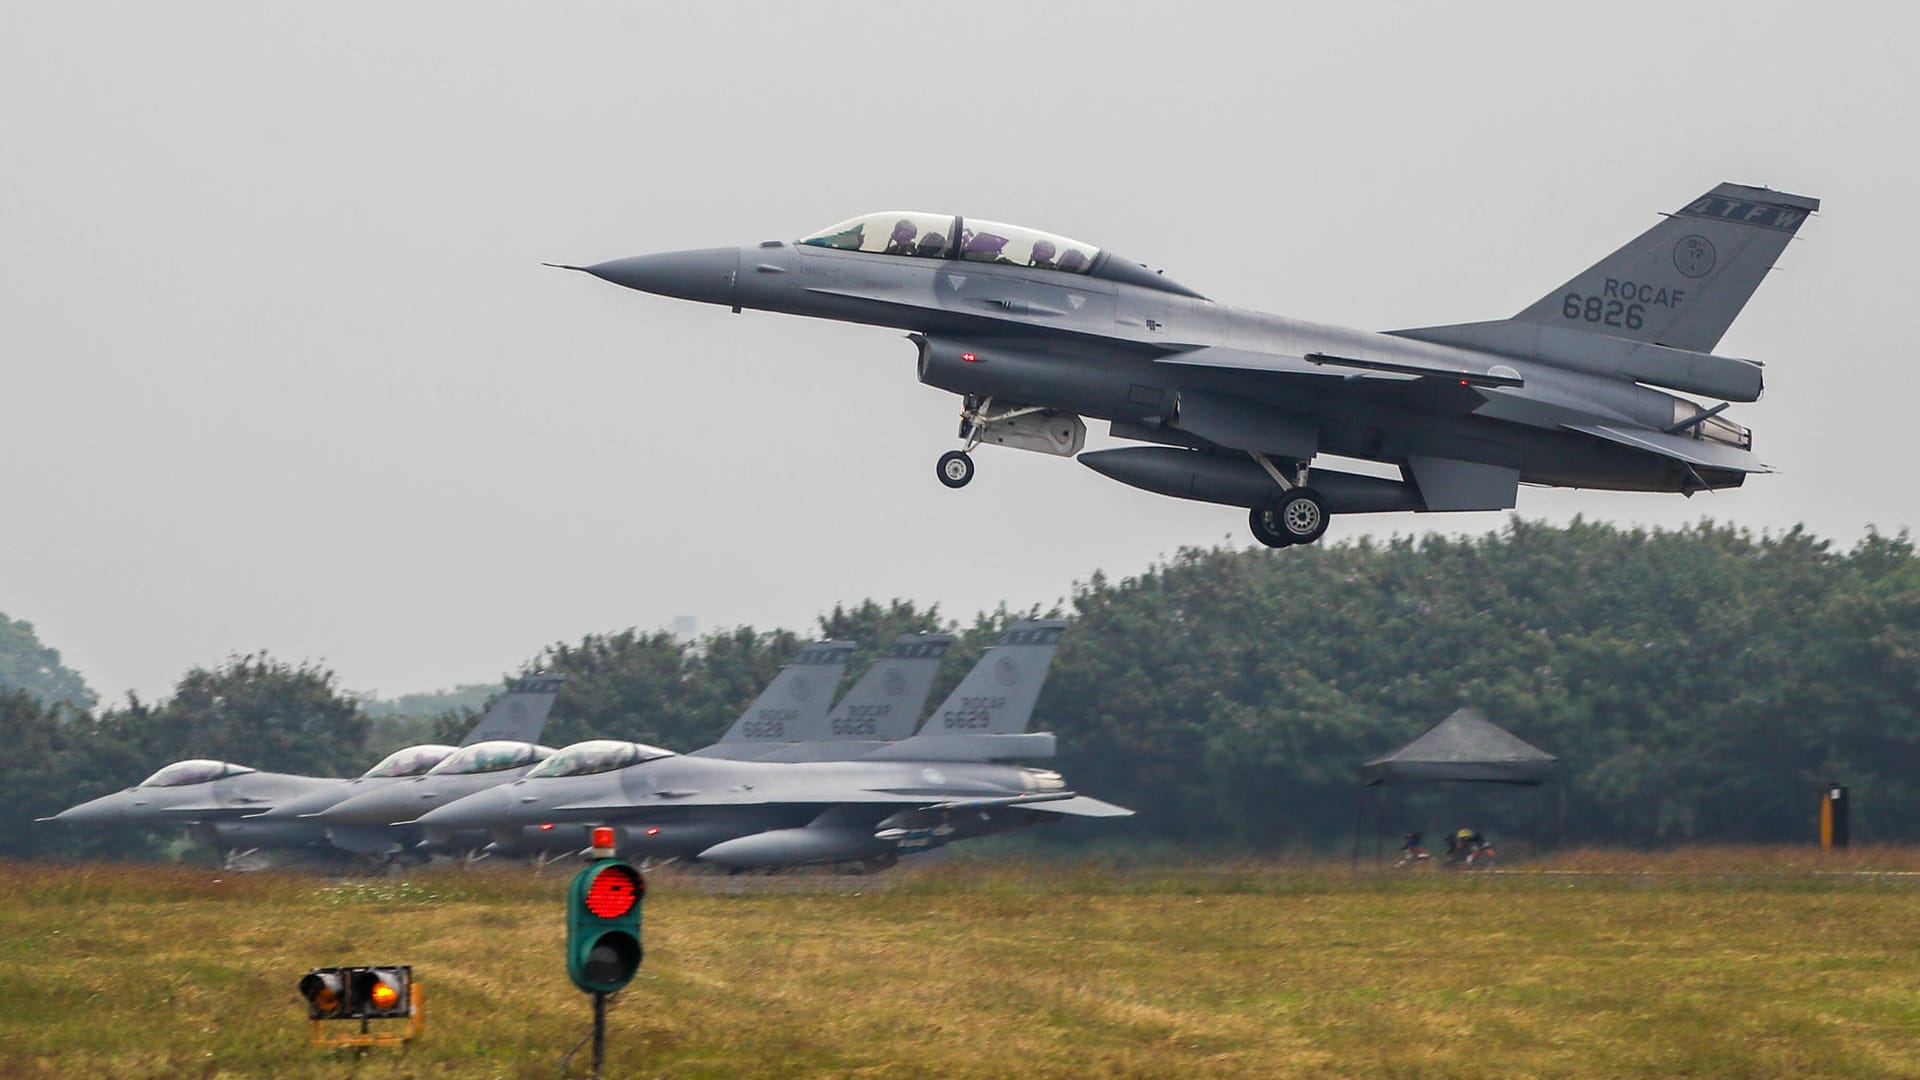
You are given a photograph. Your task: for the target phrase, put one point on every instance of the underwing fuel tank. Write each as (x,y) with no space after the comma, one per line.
(1191,474)
(792,847)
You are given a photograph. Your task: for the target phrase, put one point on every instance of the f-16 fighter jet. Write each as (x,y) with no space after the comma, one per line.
(241,809)
(1036,331)
(517,717)
(985,718)
(749,814)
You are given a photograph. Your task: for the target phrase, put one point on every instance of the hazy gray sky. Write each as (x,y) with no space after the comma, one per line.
(280,367)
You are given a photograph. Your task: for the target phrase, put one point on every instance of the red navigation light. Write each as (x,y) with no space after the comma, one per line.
(653,830)
(614,892)
(546,826)
(968,357)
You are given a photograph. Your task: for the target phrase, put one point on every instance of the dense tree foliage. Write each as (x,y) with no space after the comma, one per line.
(26,664)
(1698,684)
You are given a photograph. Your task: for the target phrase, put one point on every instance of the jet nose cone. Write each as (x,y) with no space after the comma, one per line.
(706,275)
(105,810)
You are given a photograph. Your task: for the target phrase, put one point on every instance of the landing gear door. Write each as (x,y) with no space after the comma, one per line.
(1048,432)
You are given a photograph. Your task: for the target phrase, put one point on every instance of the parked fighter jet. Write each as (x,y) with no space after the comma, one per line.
(881,708)
(984,718)
(518,716)
(792,708)
(239,809)
(1036,331)
(745,814)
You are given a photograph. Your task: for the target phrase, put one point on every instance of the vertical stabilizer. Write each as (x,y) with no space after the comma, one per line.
(519,714)
(1681,283)
(886,703)
(997,696)
(797,698)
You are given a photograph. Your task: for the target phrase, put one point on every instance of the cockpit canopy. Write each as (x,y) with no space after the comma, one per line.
(932,236)
(596,756)
(194,771)
(494,755)
(410,761)
(944,236)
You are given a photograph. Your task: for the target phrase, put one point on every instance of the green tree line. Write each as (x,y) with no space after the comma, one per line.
(1697,684)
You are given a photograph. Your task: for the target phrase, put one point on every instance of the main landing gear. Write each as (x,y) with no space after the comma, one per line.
(1299,516)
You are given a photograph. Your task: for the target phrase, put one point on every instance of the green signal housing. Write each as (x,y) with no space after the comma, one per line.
(603,926)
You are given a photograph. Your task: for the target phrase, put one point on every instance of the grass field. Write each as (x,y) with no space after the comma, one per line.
(1747,962)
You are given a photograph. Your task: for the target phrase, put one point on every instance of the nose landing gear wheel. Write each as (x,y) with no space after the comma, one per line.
(955,468)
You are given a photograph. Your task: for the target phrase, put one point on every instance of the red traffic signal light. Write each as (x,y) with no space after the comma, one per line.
(614,891)
(603,926)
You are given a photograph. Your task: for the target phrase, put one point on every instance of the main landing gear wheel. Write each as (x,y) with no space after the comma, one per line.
(955,468)
(1299,518)
(1264,524)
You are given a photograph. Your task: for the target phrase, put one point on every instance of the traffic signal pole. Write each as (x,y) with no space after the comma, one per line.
(603,931)
(599,1030)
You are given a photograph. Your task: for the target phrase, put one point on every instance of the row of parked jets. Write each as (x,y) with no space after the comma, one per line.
(792,782)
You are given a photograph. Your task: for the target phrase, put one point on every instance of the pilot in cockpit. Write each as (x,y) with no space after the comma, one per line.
(1042,255)
(901,243)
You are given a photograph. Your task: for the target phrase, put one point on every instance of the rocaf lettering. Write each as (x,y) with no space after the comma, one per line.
(861,720)
(1657,295)
(973,712)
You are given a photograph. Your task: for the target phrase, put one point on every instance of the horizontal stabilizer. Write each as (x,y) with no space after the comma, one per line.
(1700,452)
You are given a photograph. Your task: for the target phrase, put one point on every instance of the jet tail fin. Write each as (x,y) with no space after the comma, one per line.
(1682,282)
(998,695)
(796,700)
(1654,310)
(885,704)
(521,713)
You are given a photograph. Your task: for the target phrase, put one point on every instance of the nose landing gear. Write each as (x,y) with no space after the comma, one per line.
(1023,427)
(955,468)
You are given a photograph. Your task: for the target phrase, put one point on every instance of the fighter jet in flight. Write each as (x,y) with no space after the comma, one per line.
(1606,382)
(240,810)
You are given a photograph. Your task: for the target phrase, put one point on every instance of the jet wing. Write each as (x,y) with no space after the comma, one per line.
(1700,452)
(209,811)
(1326,364)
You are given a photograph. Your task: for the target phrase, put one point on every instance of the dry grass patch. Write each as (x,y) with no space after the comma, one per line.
(1709,962)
